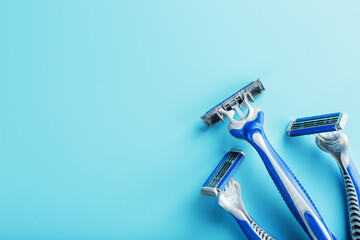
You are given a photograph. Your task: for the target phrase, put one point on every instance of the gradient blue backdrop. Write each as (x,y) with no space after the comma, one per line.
(100,130)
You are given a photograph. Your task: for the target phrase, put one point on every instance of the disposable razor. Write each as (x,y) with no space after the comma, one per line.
(329,139)
(250,128)
(220,183)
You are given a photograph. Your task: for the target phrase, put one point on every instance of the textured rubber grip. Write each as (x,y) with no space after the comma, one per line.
(351,182)
(253,231)
(260,232)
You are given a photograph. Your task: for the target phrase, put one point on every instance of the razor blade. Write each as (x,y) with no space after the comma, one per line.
(222,173)
(317,124)
(249,92)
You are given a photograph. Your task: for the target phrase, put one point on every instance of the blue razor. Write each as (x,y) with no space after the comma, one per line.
(251,129)
(221,184)
(329,139)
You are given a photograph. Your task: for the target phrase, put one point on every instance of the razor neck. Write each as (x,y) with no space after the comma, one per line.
(343,160)
(342,157)
(247,130)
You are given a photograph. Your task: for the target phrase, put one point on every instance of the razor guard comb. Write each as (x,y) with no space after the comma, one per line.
(317,124)
(222,173)
(252,90)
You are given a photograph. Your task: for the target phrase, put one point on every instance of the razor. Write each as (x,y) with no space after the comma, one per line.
(221,184)
(214,115)
(251,129)
(329,139)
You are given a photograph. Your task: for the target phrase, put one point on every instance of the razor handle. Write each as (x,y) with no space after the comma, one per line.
(352,186)
(294,195)
(252,230)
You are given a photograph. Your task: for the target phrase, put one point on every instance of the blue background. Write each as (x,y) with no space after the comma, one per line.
(100,130)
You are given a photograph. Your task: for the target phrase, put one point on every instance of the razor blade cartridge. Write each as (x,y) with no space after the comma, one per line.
(250,92)
(317,124)
(222,173)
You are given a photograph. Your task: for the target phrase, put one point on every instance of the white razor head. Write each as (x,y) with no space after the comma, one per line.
(249,92)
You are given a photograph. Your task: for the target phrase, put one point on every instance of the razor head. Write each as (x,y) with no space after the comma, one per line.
(317,124)
(250,91)
(222,173)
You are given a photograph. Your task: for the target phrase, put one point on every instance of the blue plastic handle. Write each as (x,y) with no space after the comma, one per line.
(289,187)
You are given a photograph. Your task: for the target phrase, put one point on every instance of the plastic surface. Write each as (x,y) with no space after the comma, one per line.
(351,182)
(322,116)
(252,231)
(296,198)
(312,130)
(337,145)
(212,116)
(230,200)
(221,175)
(317,124)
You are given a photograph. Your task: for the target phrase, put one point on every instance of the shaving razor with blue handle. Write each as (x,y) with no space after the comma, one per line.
(329,139)
(250,128)
(221,184)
